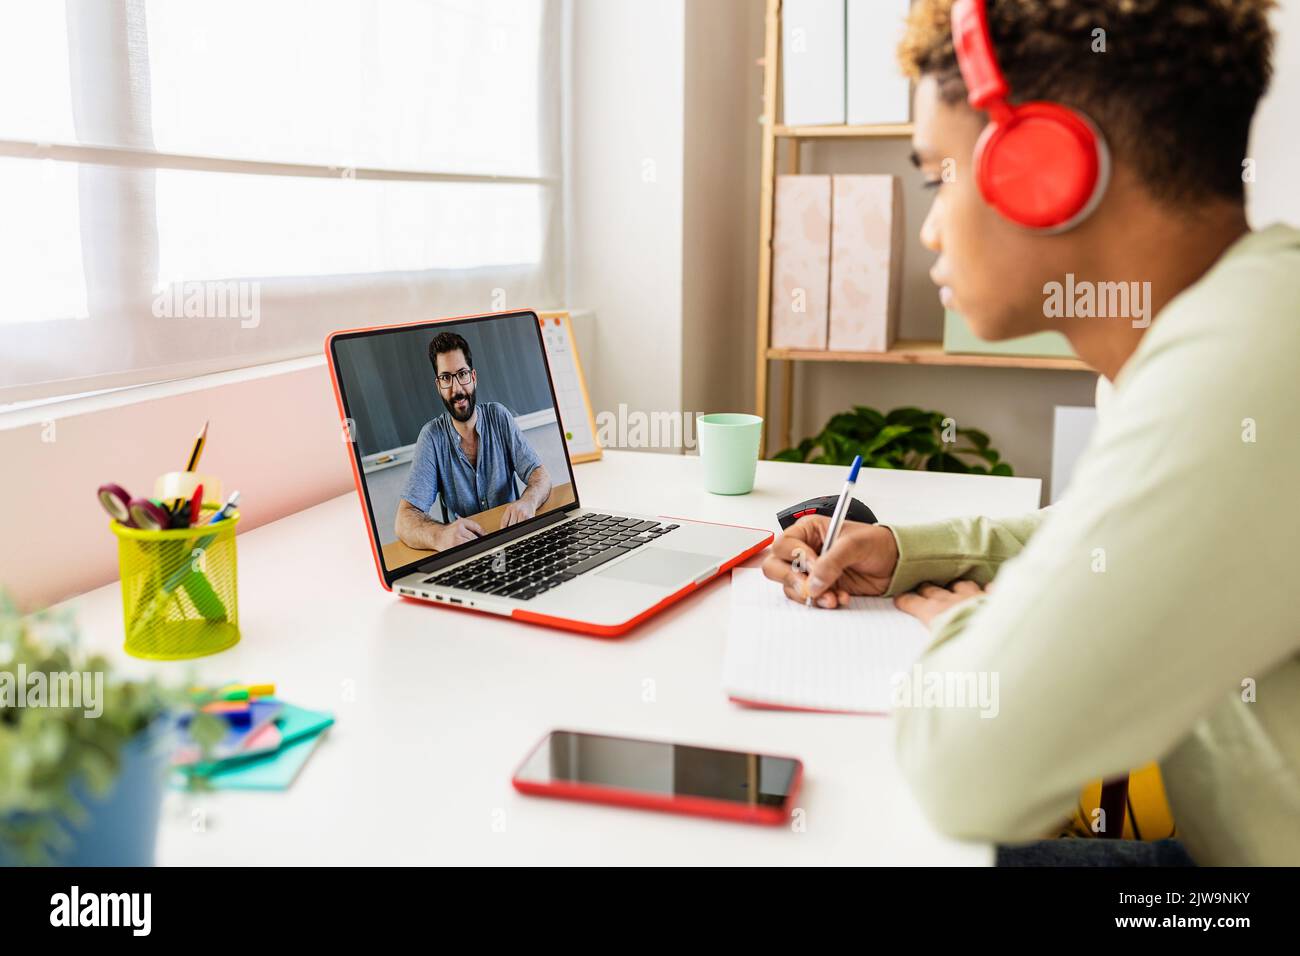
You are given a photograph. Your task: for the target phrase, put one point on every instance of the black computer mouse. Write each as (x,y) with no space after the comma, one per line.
(824,505)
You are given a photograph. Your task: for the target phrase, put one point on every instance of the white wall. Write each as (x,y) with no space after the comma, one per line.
(625,195)
(724,92)
(664,140)
(1275,139)
(276,438)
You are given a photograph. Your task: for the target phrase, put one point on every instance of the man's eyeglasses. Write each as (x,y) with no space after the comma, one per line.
(463,377)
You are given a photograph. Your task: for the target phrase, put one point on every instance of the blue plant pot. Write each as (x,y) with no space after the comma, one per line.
(121,826)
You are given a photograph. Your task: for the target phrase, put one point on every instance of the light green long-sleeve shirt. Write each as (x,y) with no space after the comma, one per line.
(1153,613)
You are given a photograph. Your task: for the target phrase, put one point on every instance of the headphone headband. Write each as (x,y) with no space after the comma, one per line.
(1041,165)
(973,45)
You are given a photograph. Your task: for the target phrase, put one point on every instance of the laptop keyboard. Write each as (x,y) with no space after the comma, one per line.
(529,567)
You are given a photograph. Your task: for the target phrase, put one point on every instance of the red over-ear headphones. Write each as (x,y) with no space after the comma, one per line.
(1041,165)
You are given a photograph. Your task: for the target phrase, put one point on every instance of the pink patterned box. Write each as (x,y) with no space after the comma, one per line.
(866,262)
(801,261)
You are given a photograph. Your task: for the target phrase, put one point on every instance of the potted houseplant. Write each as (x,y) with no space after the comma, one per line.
(83,754)
(903,438)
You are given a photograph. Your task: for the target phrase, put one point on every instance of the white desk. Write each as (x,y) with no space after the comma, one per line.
(436,707)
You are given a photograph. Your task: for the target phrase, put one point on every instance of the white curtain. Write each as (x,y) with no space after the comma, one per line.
(194,186)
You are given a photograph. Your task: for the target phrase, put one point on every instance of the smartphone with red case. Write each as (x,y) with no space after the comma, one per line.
(660,775)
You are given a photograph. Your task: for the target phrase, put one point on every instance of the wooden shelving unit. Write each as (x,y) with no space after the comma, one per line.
(893,130)
(919,352)
(903,352)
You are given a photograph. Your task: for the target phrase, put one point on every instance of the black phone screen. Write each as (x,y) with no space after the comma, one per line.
(667,769)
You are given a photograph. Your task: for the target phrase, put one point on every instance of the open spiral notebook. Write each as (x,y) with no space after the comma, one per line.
(784,655)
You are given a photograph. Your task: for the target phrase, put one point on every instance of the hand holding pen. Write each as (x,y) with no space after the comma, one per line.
(837,518)
(812,567)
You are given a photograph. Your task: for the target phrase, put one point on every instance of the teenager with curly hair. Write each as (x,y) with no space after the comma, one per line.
(1145,617)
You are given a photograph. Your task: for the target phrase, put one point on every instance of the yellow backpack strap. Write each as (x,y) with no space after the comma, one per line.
(1139,799)
(1114,803)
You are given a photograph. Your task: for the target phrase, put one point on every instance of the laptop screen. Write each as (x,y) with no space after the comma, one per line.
(456,432)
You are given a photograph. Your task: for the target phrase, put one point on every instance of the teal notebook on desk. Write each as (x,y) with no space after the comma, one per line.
(273,771)
(300,731)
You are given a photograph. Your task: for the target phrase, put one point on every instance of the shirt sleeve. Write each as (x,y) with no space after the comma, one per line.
(1138,607)
(522,452)
(972,548)
(421,488)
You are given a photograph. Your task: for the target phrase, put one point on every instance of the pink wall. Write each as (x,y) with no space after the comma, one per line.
(276,438)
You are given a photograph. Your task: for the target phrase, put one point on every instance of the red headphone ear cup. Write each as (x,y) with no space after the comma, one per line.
(1045,167)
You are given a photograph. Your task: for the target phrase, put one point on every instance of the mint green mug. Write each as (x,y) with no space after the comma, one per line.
(729,451)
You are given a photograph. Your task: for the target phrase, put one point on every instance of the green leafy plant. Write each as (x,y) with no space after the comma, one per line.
(904,438)
(49,753)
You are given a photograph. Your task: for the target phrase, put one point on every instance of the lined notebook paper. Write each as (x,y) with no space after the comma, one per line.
(782,654)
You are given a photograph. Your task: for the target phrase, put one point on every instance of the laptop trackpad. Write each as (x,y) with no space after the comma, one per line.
(661,566)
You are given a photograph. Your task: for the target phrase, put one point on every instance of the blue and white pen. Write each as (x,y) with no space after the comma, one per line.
(224,511)
(841,509)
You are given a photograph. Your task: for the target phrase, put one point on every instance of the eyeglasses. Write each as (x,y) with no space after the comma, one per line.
(463,377)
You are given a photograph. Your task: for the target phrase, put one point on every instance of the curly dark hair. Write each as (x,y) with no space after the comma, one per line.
(445,342)
(1174,90)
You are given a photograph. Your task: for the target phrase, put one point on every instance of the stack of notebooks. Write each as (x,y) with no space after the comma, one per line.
(266,744)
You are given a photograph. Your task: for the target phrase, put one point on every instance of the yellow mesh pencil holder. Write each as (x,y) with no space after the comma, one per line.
(179,592)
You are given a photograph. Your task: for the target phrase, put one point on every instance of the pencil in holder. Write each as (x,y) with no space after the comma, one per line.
(179,588)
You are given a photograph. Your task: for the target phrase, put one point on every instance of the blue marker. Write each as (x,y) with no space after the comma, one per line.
(841,509)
